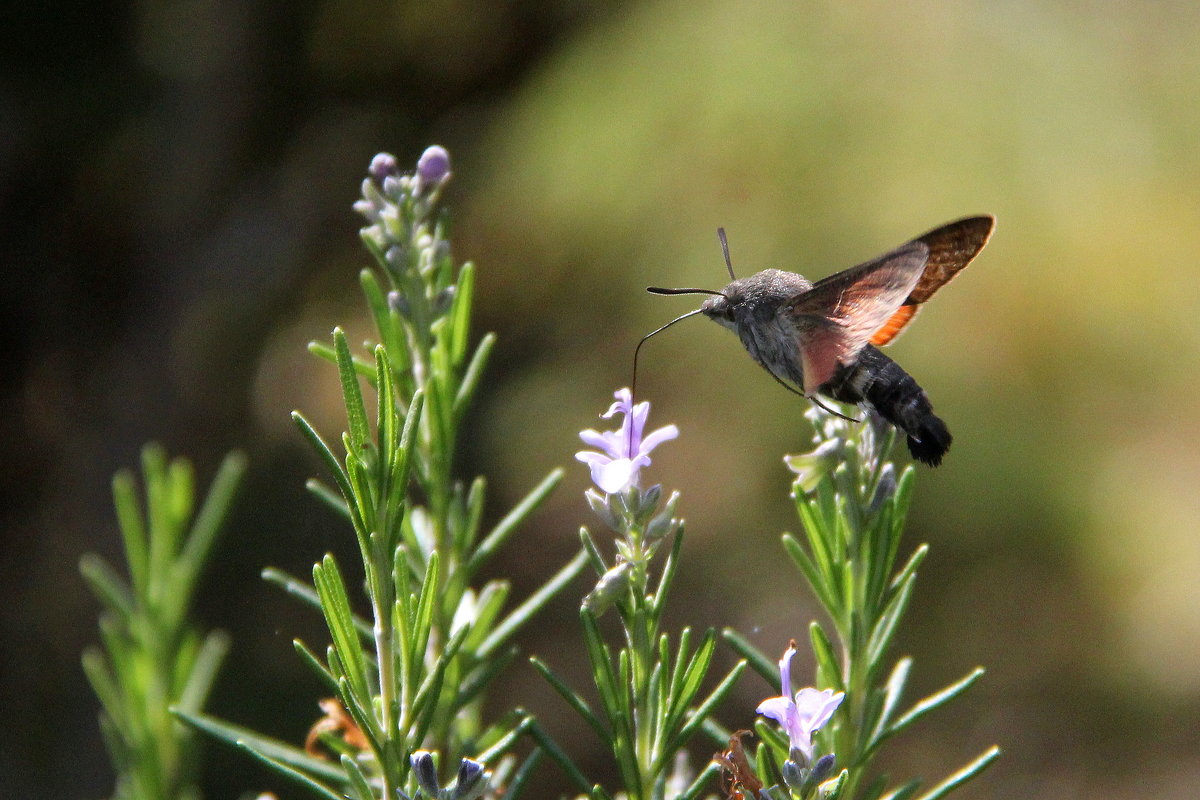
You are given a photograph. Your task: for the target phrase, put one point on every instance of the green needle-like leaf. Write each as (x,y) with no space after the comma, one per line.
(107,585)
(331,462)
(923,707)
(885,628)
(211,517)
(133,530)
(963,775)
(602,668)
(668,576)
(283,752)
(903,792)
(330,498)
(386,321)
(675,687)
(759,661)
(472,375)
(573,699)
(199,680)
(517,785)
(706,776)
(506,526)
(305,593)
(535,603)
(336,607)
(426,606)
(460,313)
(486,611)
(551,748)
(100,677)
(285,768)
(829,672)
(473,684)
(595,557)
(327,353)
(310,658)
(362,715)
(356,411)
(706,708)
(385,415)
(892,692)
(815,575)
(910,566)
(358,785)
(697,668)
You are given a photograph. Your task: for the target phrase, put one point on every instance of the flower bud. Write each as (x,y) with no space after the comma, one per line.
(471,782)
(811,467)
(602,509)
(393,187)
(395,256)
(884,489)
(382,165)
(611,585)
(443,301)
(832,789)
(426,772)
(794,775)
(823,768)
(647,503)
(398,303)
(664,522)
(367,209)
(433,167)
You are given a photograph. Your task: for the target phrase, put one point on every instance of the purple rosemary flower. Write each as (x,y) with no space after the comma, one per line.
(624,451)
(802,715)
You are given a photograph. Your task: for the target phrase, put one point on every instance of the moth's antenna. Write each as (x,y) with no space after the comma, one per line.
(661,290)
(725,250)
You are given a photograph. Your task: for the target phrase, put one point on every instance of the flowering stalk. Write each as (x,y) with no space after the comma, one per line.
(650,702)
(153,658)
(409,681)
(853,507)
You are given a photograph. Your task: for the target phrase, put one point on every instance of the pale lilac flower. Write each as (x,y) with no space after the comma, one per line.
(624,451)
(802,715)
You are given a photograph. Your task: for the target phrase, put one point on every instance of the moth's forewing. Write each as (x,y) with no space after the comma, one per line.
(837,317)
(951,248)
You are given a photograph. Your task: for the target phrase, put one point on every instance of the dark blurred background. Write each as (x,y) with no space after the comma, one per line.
(176,181)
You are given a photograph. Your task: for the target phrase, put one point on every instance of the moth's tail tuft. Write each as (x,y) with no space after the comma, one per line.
(928,439)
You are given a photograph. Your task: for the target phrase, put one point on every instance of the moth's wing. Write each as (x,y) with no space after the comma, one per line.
(836,318)
(951,248)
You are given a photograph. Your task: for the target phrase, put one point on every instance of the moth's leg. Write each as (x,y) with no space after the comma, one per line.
(814,398)
(818,402)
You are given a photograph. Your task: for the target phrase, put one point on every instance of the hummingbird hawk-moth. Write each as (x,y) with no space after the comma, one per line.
(822,338)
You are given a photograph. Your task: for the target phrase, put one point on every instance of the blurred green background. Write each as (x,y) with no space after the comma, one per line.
(175,184)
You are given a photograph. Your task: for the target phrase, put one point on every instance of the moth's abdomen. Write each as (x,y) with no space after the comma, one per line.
(876,379)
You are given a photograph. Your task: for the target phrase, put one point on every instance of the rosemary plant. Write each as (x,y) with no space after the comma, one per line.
(153,657)
(409,677)
(650,704)
(853,507)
